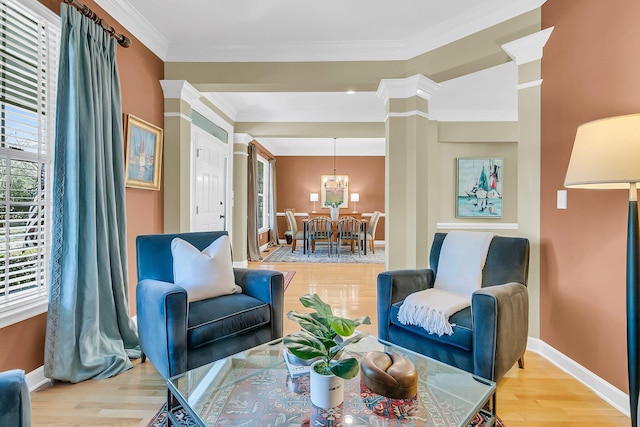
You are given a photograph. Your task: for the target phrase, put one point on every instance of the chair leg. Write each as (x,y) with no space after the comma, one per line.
(143,357)
(293,245)
(521,362)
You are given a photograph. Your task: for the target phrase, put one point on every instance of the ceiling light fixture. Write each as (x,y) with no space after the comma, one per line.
(335,186)
(350,92)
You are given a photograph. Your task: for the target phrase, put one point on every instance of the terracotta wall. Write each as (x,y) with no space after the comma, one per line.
(140,73)
(298,176)
(590,70)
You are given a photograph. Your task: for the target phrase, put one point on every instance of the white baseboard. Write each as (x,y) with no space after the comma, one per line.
(241,264)
(607,392)
(36,379)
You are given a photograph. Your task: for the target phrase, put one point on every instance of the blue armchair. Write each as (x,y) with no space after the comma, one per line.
(490,336)
(178,336)
(15,407)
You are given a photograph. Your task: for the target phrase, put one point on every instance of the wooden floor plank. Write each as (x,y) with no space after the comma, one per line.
(540,395)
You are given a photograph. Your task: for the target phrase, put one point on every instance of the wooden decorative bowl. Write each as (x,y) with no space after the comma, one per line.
(389,374)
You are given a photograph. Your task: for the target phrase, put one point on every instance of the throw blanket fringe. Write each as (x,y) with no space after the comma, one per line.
(431,309)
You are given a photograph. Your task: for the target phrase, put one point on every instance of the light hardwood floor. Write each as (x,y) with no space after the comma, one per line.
(539,395)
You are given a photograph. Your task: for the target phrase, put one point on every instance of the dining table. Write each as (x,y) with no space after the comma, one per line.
(334,223)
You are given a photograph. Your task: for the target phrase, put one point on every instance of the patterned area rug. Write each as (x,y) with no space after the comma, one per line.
(284,254)
(160,419)
(288,276)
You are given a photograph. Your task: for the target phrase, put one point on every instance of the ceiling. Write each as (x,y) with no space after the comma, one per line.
(333,30)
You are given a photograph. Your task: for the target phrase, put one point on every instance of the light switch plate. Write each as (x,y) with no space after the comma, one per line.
(562,199)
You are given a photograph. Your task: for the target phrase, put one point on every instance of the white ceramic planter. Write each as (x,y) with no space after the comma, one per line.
(327,391)
(335,213)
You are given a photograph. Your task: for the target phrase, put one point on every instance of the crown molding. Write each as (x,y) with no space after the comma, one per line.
(180,89)
(223,104)
(528,48)
(242,138)
(290,52)
(417,85)
(311,116)
(130,18)
(465,24)
(468,23)
(532,83)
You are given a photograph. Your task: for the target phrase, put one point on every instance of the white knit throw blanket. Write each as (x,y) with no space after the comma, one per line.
(460,265)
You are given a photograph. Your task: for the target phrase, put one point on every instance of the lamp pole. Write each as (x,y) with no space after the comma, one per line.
(605,155)
(633,302)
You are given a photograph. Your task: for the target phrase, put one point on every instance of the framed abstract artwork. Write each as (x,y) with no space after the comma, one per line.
(143,154)
(479,188)
(334,191)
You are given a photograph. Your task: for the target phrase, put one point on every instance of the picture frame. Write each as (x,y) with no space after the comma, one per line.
(334,189)
(479,187)
(143,156)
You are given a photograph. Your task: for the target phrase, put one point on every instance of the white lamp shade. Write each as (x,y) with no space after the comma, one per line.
(355,197)
(313,197)
(606,154)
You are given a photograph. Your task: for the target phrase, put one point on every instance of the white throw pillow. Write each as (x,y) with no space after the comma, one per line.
(205,274)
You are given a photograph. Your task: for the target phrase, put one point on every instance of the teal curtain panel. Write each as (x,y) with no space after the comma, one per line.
(89,331)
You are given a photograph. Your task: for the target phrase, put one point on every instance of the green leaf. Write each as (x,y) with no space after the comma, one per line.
(364,320)
(313,301)
(305,346)
(354,339)
(346,369)
(343,327)
(310,323)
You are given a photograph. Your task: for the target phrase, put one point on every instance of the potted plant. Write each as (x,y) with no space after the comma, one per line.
(334,208)
(323,337)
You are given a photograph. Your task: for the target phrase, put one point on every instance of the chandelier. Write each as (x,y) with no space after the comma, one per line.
(335,186)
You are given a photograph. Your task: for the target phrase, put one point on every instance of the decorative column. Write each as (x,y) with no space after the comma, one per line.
(527,54)
(179,96)
(409,135)
(239,199)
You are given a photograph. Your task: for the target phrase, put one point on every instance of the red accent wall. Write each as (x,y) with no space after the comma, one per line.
(297,176)
(140,74)
(590,70)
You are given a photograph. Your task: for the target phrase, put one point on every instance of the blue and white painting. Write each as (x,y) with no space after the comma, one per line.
(142,151)
(479,188)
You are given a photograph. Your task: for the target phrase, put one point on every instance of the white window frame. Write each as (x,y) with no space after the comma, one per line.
(265,195)
(25,304)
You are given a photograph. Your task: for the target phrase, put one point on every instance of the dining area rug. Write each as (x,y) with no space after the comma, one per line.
(321,255)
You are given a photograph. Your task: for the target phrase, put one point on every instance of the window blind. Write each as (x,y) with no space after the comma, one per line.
(28,71)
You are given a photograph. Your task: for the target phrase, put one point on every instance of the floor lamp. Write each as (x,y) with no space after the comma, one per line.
(606,155)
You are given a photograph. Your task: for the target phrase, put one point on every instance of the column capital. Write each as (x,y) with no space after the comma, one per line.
(242,138)
(180,89)
(417,85)
(528,48)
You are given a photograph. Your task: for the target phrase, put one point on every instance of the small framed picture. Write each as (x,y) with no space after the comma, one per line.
(479,188)
(143,154)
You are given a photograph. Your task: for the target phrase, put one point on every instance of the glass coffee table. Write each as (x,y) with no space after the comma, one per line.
(254,388)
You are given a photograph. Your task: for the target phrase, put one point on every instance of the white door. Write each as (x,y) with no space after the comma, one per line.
(210,183)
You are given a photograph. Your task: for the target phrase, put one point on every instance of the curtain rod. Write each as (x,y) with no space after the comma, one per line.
(120,38)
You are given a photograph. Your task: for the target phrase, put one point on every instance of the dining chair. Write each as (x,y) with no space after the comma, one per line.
(371,231)
(320,228)
(349,229)
(293,227)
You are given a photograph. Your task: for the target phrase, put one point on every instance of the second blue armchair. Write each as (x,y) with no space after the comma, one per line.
(178,336)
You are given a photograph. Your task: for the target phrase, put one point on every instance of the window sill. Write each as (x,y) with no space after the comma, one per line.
(11,313)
